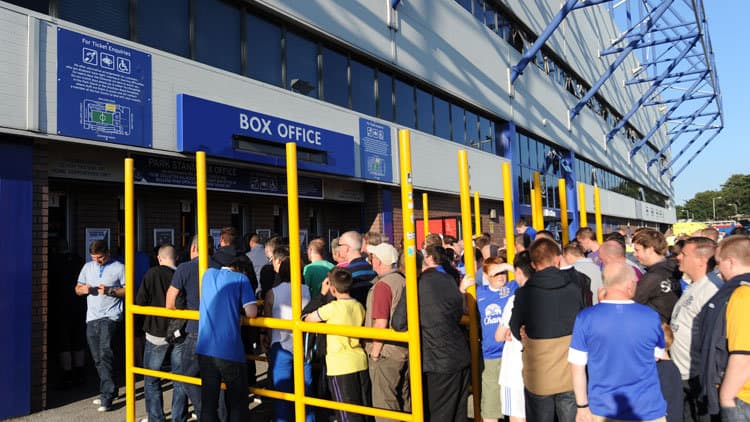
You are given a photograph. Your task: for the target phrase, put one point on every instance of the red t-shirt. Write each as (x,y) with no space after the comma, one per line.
(381,301)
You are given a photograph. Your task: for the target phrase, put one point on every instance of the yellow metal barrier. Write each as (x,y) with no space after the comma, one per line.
(469,265)
(598,215)
(425,216)
(584,218)
(410,254)
(477,216)
(562,190)
(202,208)
(129,203)
(537,199)
(532,203)
(510,235)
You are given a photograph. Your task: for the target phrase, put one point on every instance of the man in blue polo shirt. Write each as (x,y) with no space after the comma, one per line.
(220,351)
(102,280)
(619,340)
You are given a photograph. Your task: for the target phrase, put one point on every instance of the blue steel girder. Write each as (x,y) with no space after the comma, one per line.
(674,176)
(635,81)
(650,91)
(652,18)
(566,8)
(674,100)
(394,3)
(672,139)
(663,119)
(670,133)
(667,40)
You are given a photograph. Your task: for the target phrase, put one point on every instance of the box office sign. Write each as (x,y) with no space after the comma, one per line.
(166,171)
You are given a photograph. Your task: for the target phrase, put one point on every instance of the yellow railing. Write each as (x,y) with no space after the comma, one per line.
(563,190)
(583,214)
(296,325)
(598,215)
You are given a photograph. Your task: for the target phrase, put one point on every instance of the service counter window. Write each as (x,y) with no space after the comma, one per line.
(263,50)
(301,65)
(217,35)
(173,34)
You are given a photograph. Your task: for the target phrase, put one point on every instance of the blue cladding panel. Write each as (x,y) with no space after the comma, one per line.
(15,275)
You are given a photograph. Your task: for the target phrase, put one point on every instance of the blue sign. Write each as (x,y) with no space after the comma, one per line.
(103,90)
(225,131)
(166,171)
(375,150)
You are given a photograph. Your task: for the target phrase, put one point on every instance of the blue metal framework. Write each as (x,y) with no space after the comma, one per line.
(676,62)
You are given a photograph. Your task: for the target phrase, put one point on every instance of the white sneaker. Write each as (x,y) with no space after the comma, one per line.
(102,409)
(97,402)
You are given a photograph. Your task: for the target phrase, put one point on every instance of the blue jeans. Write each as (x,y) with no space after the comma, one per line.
(153,358)
(740,413)
(282,377)
(99,334)
(185,362)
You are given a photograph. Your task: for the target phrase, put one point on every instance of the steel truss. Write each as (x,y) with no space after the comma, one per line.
(677,69)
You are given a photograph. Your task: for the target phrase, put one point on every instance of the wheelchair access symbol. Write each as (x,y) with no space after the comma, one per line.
(123,65)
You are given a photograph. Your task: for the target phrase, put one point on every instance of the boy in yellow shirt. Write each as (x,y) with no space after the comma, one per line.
(346,360)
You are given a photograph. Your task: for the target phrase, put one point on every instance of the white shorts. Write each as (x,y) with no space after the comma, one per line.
(513,402)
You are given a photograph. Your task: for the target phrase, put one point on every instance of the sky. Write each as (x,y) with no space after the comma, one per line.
(728,153)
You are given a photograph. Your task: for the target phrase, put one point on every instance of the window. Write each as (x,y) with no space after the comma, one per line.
(173,34)
(335,78)
(466,4)
(472,130)
(486,134)
(404,103)
(109,16)
(458,124)
(424,111)
(301,65)
(385,96)
(263,50)
(533,156)
(479,9)
(363,88)
(442,118)
(41,6)
(217,35)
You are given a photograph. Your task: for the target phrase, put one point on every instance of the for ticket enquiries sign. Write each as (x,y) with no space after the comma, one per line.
(103,90)
(375,150)
(165,171)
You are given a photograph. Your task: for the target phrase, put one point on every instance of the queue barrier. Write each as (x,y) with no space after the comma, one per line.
(411,337)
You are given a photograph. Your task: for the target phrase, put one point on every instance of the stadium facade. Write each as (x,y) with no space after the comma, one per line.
(86,84)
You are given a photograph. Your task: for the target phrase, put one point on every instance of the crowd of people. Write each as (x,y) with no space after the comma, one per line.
(629,329)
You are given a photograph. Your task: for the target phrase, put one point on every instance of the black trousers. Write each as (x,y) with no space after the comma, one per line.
(445,396)
(546,408)
(234,375)
(351,388)
(695,407)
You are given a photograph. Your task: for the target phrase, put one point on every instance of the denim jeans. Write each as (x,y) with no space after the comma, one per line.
(153,358)
(234,375)
(99,334)
(544,408)
(740,413)
(185,362)
(281,368)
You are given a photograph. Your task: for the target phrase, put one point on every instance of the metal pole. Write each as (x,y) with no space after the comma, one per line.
(510,236)
(296,269)
(410,254)
(563,192)
(582,205)
(477,216)
(713,203)
(469,263)
(129,290)
(200,188)
(598,215)
(532,201)
(425,216)
(537,199)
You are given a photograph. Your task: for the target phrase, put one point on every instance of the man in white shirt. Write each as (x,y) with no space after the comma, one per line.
(694,261)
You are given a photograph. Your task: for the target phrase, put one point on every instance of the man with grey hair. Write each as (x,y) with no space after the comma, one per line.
(694,261)
(613,251)
(387,361)
(617,340)
(350,245)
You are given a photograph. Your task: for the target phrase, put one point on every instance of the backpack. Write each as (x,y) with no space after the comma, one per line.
(714,350)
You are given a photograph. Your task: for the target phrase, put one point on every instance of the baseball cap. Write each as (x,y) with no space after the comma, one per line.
(386,253)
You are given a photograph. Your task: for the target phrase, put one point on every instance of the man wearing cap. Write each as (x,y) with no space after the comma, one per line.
(388,361)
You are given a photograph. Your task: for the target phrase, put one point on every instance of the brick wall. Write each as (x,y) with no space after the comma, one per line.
(39,263)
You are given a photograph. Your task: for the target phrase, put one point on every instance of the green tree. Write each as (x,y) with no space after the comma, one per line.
(733,198)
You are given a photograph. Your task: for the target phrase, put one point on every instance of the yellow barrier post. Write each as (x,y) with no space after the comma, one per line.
(296,269)
(412,300)
(562,190)
(477,215)
(469,262)
(129,290)
(425,216)
(582,206)
(510,235)
(532,203)
(598,215)
(200,189)
(537,199)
